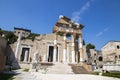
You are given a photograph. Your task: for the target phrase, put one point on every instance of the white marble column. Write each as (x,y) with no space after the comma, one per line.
(64,48)
(58,53)
(25,56)
(47,56)
(73,48)
(55,48)
(68,51)
(81,48)
(18,45)
(54,54)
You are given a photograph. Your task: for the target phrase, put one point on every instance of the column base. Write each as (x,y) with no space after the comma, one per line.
(81,60)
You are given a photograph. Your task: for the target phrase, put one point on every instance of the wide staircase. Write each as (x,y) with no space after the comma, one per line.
(60,68)
(59,71)
(81,68)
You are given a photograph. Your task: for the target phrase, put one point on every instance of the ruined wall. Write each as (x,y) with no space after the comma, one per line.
(41,44)
(111,52)
(3,44)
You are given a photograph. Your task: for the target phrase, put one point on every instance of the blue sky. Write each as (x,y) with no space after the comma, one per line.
(101,18)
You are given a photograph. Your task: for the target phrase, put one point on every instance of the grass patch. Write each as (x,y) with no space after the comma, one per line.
(6,76)
(95,73)
(112,74)
(26,70)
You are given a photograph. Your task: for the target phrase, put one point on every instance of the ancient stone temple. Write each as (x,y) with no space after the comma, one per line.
(65,44)
(67,27)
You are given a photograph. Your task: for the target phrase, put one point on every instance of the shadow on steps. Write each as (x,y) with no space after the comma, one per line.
(80,69)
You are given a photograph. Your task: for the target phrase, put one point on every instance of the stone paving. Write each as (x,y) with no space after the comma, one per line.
(58,73)
(60,68)
(39,76)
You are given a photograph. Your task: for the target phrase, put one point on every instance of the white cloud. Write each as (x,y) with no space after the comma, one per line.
(76,16)
(102,32)
(106,29)
(99,34)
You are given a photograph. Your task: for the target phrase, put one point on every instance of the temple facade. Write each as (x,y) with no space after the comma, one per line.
(65,44)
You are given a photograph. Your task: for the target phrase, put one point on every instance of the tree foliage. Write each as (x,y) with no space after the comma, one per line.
(60,33)
(10,37)
(90,46)
(32,36)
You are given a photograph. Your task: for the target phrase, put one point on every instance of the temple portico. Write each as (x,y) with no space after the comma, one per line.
(66,26)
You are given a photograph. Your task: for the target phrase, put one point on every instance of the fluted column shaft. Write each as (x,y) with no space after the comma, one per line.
(64,48)
(81,49)
(55,48)
(18,45)
(73,48)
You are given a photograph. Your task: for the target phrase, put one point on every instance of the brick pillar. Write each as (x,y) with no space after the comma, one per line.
(81,48)
(73,48)
(64,48)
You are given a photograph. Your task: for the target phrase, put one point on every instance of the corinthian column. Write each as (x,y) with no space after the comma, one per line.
(81,48)
(55,48)
(73,48)
(64,48)
(18,45)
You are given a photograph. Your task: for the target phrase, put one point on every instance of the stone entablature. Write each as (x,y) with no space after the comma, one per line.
(111,52)
(25,32)
(66,25)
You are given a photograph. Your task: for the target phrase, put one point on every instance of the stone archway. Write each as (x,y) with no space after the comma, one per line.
(100,58)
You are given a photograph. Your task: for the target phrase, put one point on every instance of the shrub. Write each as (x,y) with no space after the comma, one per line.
(26,70)
(96,73)
(113,74)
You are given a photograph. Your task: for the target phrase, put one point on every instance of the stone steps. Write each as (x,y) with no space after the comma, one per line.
(60,68)
(79,69)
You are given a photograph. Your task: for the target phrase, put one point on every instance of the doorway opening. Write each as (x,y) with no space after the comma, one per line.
(50,56)
(24,54)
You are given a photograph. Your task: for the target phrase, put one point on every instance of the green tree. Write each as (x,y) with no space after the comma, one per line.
(10,37)
(90,46)
(1,32)
(32,36)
